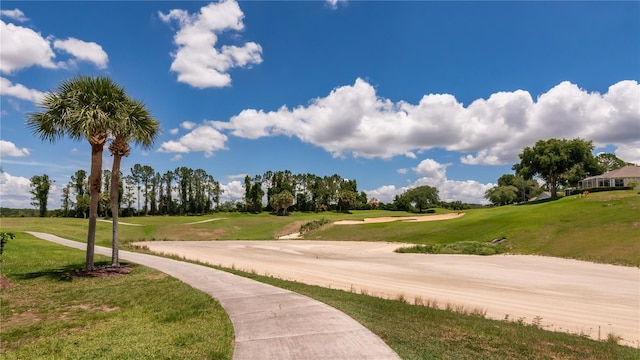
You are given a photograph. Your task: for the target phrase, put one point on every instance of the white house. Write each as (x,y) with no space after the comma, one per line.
(619,177)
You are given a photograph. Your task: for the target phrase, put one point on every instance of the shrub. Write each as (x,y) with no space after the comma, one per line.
(600,189)
(312,225)
(4,237)
(462,247)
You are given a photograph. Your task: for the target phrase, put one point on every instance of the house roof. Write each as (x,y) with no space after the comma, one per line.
(629,171)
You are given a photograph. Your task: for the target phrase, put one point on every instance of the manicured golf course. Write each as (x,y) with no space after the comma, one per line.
(601,228)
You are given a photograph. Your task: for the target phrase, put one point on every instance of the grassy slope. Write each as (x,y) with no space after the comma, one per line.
(143,315)
(603,227)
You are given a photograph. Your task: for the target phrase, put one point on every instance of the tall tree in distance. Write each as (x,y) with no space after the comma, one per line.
(608,162)
(135,124)
(83,107)
(40,185)
(557,162)
(66,199)
(136,177)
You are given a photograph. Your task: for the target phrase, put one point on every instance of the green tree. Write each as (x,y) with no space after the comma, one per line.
(526,188)
(4,238)
(40,185)
(423,197)
(502,194)
(282,201)
(402,202)
(83,107)
(136,178)
(66,199)
(129,196)
(82,204)
(253,193)
(607,162)
(134,124)
(553,160)
(79,184)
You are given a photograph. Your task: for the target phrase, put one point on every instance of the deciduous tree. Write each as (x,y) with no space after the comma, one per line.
(552,160)
(40,185)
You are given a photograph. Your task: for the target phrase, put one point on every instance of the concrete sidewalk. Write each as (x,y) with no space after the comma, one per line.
(269,322)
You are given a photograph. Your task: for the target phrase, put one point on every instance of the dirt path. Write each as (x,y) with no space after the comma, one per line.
(562,295)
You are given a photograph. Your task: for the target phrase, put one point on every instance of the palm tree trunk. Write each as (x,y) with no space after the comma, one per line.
(95,180)
(114,194)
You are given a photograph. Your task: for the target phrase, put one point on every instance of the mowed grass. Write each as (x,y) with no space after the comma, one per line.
(419,332)
(602,227)
(48,314)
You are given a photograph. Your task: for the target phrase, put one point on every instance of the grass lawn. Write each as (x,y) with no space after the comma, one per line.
(147,314)
(48,314)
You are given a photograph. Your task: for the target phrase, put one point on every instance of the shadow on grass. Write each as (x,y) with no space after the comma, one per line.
(542,201)
(65,273)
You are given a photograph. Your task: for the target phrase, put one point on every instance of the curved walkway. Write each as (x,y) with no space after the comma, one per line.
(269,322)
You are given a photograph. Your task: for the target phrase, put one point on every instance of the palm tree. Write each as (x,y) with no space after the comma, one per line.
(136,124)
(83,107)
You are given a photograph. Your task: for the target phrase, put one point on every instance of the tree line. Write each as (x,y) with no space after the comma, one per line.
(185,191)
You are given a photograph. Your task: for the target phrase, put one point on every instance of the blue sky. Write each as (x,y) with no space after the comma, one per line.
(392,94)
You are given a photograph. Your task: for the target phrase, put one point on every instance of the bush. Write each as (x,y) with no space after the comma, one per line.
(4,237)
(600,189)
(312,225)
(462,247)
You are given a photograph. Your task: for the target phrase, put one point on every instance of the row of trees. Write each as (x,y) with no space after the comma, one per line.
(558,162)
(302,192)
(177,192)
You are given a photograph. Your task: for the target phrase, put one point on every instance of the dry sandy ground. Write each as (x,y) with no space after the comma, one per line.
(563,295)
(120,223)
(418,218)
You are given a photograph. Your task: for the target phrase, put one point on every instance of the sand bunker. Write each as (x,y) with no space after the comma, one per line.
(417,218)
(203,221)
(120,223)
(560,294)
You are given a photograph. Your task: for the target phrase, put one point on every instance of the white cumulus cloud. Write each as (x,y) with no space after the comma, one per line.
(7,88)
(188,125)
(629,153)
(197,60)
(232,191)
(435,174)
(83,51)
(22,48)
(15,14)
(333,4)
(354,120)
(14,191)
(9,149)
(203,138)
